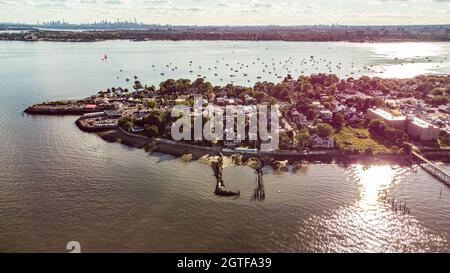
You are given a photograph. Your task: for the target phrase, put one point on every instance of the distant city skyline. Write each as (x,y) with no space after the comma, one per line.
(231,12)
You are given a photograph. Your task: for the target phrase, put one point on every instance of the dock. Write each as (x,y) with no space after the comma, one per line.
(220,185)
(259,193)
(432,168)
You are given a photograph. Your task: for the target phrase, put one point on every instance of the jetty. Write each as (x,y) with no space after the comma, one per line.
(259,193)
(220,186)
(69,108)
(432,168)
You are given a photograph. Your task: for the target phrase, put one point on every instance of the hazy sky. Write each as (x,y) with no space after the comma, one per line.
(230,12)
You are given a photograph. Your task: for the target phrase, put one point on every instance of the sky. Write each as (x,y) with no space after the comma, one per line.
(230,12)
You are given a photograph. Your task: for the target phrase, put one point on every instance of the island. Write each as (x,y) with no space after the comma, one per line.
(322,118)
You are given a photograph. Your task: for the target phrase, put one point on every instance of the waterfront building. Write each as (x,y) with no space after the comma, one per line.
(322,142)
(421,129)
(415,127)
(398,122)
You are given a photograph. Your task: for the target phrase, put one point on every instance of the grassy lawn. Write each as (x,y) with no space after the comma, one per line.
(358,141)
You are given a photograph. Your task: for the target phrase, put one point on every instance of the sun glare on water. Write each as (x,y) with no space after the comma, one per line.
(373,181)
(406,50)
(369,224)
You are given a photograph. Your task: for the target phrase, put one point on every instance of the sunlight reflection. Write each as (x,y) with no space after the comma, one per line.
(406,50)
(368,225)
(373,180)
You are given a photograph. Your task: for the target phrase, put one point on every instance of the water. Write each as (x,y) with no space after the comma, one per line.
(58,184)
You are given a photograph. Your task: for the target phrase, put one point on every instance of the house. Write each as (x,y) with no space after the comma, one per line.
(220,101)
(117,105)
(341,108)
(325,115)
(300,119)
(112,114)
(250,100)
(322,142)
(317,105)
(222,92)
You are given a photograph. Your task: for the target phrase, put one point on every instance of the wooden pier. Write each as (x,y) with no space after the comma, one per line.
(259,193)
(220,185)
(431,168)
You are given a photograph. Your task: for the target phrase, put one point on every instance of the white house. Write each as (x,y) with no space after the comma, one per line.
(322,142)
(326,115)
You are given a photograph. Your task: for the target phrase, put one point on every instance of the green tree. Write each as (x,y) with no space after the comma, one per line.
(150,104)
(137,85)
(151,131)
(407,148)
(438,91)
(338,120)
(272,101)
(377,126)
(157,118)
(168,87)
(303,138)
(324,129)
(311,114)
(440,100)
(126,123)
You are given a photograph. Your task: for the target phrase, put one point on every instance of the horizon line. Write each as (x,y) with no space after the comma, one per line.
(209,25)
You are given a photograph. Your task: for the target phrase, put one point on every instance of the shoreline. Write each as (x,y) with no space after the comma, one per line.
(49,111)
(387,41)
(178,149)
(312,33)
(198,152)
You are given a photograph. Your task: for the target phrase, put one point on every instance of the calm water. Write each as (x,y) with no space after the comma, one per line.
(58,184)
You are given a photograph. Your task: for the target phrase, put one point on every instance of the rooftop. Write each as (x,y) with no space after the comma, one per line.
(421,123)
(386,115)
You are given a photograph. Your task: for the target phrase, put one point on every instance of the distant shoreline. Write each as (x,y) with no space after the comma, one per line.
(289,34)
